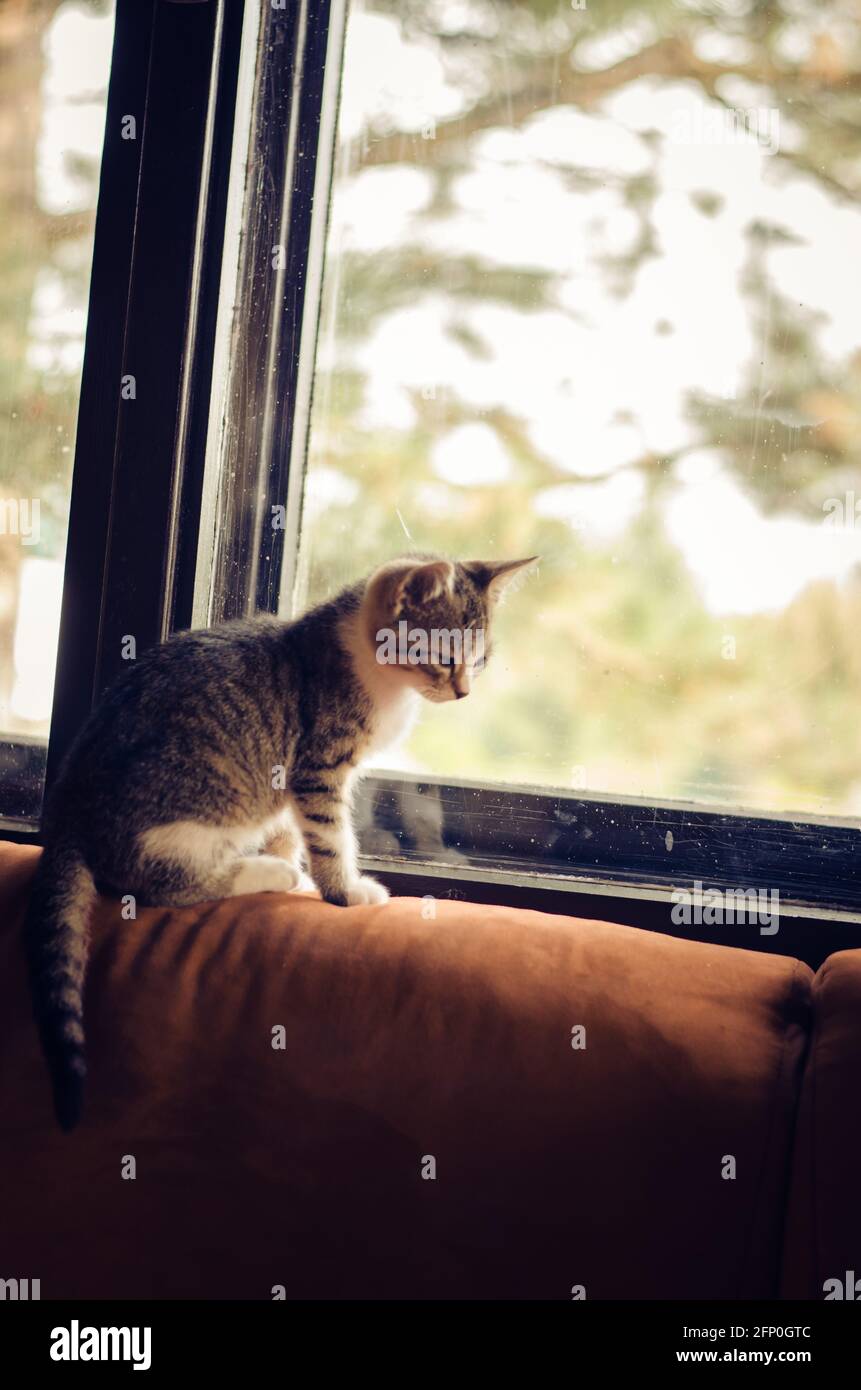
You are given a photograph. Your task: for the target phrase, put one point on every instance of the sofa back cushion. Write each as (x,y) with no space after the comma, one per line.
(435,1125)
(823,1240)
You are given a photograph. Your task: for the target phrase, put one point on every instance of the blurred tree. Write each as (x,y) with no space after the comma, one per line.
(41,251)
(611,670)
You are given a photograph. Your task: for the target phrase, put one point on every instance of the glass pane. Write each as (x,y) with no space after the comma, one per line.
(54,62)
(592,292)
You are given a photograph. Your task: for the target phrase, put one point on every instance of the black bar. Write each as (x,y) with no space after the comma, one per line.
(234,1338)
(95,448)
(137,585)
(139,462)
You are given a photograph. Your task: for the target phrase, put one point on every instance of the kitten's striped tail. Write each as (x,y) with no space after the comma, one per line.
(57,940)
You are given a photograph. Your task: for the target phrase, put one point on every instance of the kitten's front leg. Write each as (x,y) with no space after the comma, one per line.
(321,803)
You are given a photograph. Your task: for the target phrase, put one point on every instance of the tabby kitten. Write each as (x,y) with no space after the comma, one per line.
(217,757)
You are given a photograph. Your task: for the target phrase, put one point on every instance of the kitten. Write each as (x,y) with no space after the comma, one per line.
(226,742)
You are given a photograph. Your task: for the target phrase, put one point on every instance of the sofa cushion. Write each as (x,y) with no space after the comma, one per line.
(427,1130)
(823,1243)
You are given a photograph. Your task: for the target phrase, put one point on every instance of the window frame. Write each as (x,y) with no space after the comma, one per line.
(543,845)
(155,273)
(136,560)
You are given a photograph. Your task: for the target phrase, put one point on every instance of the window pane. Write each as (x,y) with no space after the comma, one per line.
(592,292)
(54,62)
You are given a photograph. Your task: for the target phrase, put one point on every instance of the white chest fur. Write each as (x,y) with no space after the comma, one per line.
(395,702)
(396,712)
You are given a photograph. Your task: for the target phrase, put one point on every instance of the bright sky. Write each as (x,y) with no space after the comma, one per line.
(78,56)
(77,52)
(572,371)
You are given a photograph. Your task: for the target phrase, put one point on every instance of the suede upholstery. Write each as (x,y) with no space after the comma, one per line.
(823,1239)
(410,1038)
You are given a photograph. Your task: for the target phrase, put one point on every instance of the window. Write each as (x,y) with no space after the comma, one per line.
(567,280)
(589,293)
(54,62)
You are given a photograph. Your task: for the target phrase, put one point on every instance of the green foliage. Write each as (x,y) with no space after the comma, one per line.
(38,398)
(609,670)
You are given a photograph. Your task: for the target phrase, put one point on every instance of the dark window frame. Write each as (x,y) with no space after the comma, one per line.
(136,487)
(615,860)
(140,475)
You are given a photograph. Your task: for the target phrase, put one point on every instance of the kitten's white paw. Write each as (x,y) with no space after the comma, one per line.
(364,891)
(265,874)
(304,883)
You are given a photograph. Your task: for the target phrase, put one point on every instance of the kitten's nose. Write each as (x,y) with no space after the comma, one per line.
(460,682)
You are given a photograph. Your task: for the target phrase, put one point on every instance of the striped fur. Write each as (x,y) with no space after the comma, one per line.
(56,938)
(221,761)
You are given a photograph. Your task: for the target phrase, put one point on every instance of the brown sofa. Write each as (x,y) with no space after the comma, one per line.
(411,1038)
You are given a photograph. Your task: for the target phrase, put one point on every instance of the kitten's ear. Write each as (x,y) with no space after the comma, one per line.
(496,575)
(423,583)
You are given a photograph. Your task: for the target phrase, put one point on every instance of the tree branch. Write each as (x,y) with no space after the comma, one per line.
(671,57)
